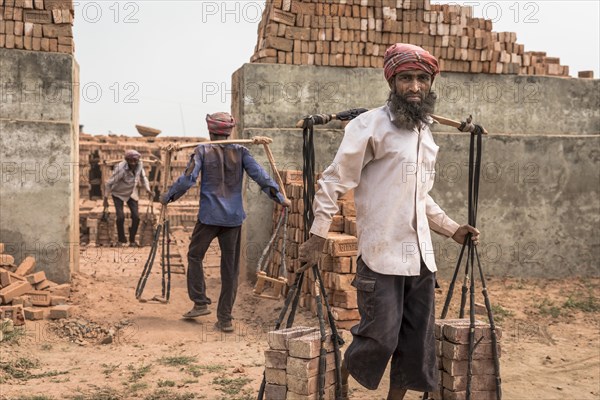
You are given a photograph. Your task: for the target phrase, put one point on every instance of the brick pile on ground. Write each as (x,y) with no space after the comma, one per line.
(356,33)
(338,262)
(28,295)
(292,362)
(96,150)
(452,340)
(41,25)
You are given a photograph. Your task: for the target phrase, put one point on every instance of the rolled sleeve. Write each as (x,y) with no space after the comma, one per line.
(438,220)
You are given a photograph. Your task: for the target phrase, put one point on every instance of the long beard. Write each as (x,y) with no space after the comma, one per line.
(409,115)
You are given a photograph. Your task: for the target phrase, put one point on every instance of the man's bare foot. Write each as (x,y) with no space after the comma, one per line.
(396,394)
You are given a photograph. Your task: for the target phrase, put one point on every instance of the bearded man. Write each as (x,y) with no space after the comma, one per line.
(388,157)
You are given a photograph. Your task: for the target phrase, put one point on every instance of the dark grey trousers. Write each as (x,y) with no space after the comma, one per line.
(396,321)
(135,219)
(229,241)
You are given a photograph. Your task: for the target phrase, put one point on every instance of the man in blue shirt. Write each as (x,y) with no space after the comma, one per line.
(221,213)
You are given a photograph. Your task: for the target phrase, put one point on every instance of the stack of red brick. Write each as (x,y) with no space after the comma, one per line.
(338,262)
(355,33)
(292,365)
(25,294)
(452,338)
(41,25)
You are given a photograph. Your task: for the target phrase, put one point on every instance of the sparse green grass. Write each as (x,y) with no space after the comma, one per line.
(583,302)
(105,393)
(109,368)
(138,373)
(21,369)
(14,336)
(46,346)
(547,307)
(165,383)
(34,397)
(199,370)
(166,394)
(137,386)
(230,386)
(190,381)
(177,361)
(500,313)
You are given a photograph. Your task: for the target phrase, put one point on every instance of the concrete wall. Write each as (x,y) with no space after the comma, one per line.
(38,155)
(276,95)
(539,204)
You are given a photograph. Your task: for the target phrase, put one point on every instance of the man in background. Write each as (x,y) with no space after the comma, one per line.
(123,186)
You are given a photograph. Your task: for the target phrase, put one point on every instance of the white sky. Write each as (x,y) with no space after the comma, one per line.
(166,64)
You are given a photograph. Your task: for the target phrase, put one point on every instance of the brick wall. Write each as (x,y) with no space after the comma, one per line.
(356,33)
(41,25)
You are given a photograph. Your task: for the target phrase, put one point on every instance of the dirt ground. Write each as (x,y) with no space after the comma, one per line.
(550,343)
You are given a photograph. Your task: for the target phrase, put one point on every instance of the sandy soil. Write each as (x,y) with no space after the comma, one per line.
(550,346)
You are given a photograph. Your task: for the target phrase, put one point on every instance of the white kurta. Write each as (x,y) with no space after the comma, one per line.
(392,171)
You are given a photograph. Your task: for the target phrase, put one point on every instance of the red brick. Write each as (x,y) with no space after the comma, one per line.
(33,314)
(14,313)
(461,351)
(478,382)
(7,259)
(45,284)
(275,392)
(276,359)
(62,311)
(57,300)
(13,290)
(36,277)
(39,298)
(301,368)
(308,346)
(310,385)
(275,376)
(278,340)
(26,267)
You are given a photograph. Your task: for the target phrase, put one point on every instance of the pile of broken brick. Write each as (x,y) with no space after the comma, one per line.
(28,295)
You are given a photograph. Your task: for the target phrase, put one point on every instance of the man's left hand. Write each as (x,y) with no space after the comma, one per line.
(462,232)
(164,199)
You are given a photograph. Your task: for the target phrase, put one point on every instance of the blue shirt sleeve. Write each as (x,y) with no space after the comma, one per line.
(188,179)
(260,176)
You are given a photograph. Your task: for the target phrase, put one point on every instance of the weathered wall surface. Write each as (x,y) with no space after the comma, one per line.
(38,154)
(539,203)
(275,96)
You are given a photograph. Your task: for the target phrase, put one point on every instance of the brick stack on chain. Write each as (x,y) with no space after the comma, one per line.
(355,33)
(40,25)
(292,365)
(28,295)
(452,341)
(338,261)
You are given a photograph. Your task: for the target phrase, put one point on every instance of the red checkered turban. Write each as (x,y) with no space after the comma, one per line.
(404,57)
(220,123)
(132,155)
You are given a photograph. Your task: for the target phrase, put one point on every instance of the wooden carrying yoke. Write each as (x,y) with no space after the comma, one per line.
(277,283)
(440,120)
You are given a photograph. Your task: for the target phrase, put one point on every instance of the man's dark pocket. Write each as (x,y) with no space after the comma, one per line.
(365,287)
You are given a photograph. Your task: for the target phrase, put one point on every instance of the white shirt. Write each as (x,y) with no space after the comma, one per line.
(124,183)
(392,171)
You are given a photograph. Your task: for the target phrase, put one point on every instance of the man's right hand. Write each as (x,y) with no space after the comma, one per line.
(310,251)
